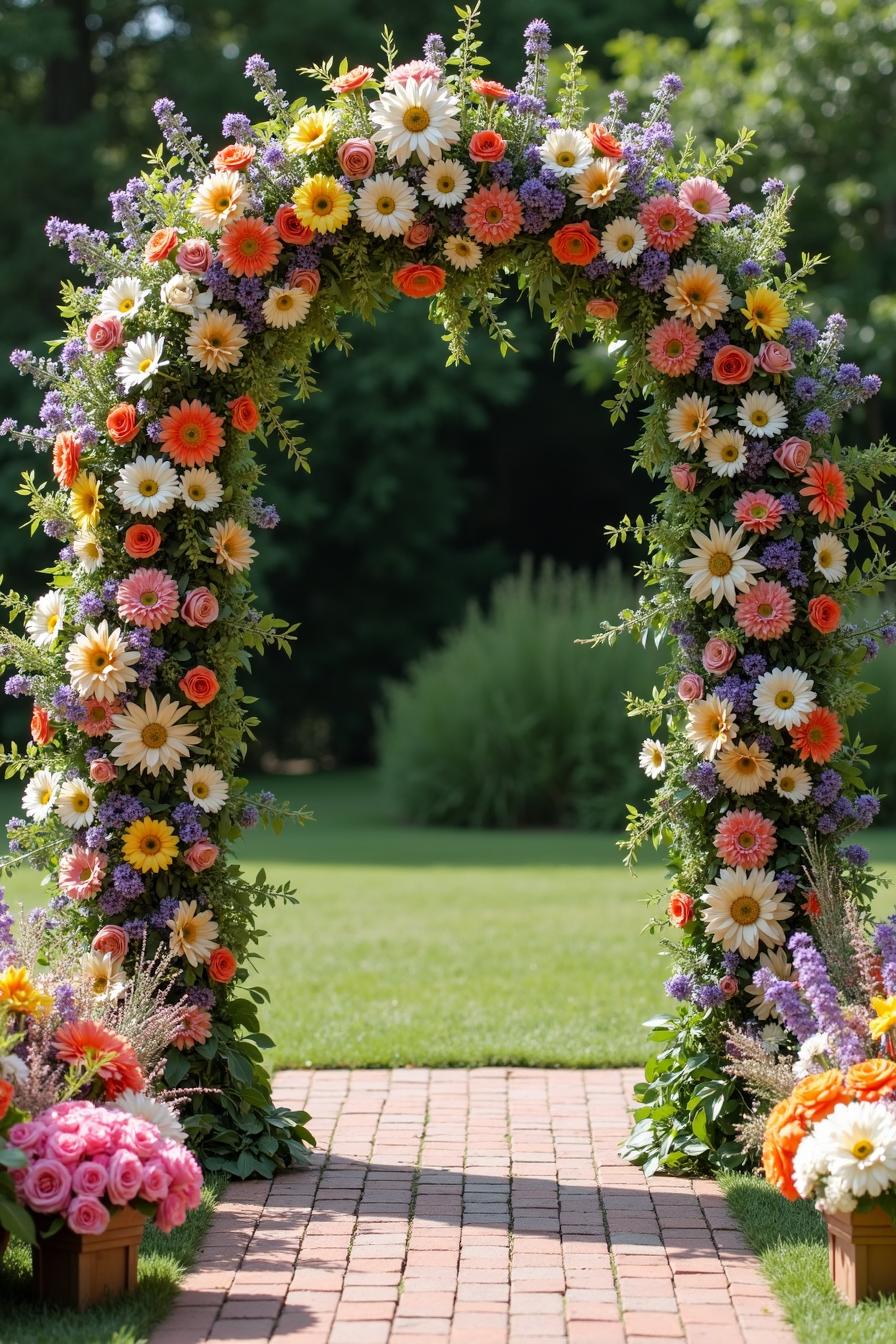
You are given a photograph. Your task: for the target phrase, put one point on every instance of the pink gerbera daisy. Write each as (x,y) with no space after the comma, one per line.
(195,1028)
(758,511)
(493,215)
(97,720)
(81,872)
(745,839)
(704,199)
(674,347)
(766,611)
(667,223)
(149,598)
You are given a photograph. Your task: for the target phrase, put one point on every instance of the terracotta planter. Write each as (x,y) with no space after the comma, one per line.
(76,1271)
(862,1254)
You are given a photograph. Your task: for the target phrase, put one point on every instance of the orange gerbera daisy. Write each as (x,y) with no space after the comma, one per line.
(818,736)
(493,215)
(91,1046)
(825,488)
(249,246)
(192,435)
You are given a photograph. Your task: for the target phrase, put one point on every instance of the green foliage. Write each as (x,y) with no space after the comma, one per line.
(508,723)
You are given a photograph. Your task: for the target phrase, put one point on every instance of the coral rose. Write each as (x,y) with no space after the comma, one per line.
(222,965)
(575,244)
(195,256)
(774,358)
(142,540)
(487,147)
(793,455)
(102,771)
(201,855)
(234,158)
(603,140)
(732,365)
(824,614)
(729,986)
(605,309)
(352,79)
(66,456)
(418,235)
(290,228)
(112,939)
(680,909)
(816,1096)
(243,414)
(690,687)
(684,476)
(199,608)
(718,655)
(872,1079)
(200,685)
(104,333)
(357,158)
(419,282)
(42,732)
(306,278)
(161,244)
(490,88)
(122,423)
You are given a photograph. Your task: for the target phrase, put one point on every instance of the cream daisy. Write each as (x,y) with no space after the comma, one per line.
(777,962)
(793,782)
(47,618)
(711,725)
(151,737)
(858,1141)
(598,184)
(718,566)
(75,803)
(784,697)
(623,241)
(40,794)
(744,768)
(232,546)
(141,360)
(418,117)
(744,910)
(201,489)
(215,340)
(566,152)
(445,182)
(698,292)
(830,556)
(311,132)
(285,307)
(462,252)
(762,414)
(726,452)
(691,420)
(100,664)
(148,486)
(652,758)
(123,298)
(156,1112)
(219,197)
(194,933)
(89,551)
(206,787)
(104,978)
(385,206)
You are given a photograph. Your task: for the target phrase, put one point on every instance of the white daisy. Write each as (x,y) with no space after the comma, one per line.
(40,794)
(718,566)
(830,556)
(201,489)
(89,551)
(47,619)
(858,1141)
(122,298)
(793,782)
(726,452)
(623,241)
(712,725)
(598,184)
(148,486)
(183,294)
(385,206)
(445,182)
(141,360)
(219,197)
(566,152)
(462,252)
(285,307)
(150,738)
(206,787)
(784,697)
(76,803)
(418,118)
(762,414)
(816,1053)
(744,909)
(691,421)
(777,962)
(105,979)
(158,1113)
(100,663)
(652,758)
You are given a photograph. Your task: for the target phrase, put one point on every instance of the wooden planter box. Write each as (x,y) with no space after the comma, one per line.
(862,1254)
(77,1271)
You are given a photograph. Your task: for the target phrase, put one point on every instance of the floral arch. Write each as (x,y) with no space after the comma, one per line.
(225,274)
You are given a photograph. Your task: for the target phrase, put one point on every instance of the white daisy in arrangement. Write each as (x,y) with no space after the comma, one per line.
(148,486)
(744,768)
(462,252)
(285,307)
(105,979)
(40,794)
(652,758)
(743,910)
(598,184)
(206,787)
(445,182)
(793,782)
(385,205)
(215,340)
(89,551)
(47,618)
(183,294)
(76,803)
(858,1141)
(690,421)
(219,197)
(784,697)
(566,152)
(712,724)
(623,241)
(123,298)
(141,360)
(777,962)
(816,1053)
(201,488)
(830,556)
(726,452)
(158,1113)
(100,664)
(762,414)
(151,737)
(194,933)
(719,567)
(418,117)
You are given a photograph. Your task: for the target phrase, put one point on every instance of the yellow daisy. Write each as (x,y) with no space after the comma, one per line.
(312,131)
(19,995)
(149,845)
(765,312)
(86,504)
(322,204)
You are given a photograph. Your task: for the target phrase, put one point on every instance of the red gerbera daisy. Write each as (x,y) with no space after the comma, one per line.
(192,434)
(249,246)
(825,488)
(818,736)
(91,1046)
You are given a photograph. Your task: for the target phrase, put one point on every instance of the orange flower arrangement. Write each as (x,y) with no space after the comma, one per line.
(42,732)
(824,614)
(816,1096)
(142,540)
(91,1046)
(784,1132)
(222,965)
(192,435)
(122,424)
(249,246)
(243,414)
(5,1097)
(160,244)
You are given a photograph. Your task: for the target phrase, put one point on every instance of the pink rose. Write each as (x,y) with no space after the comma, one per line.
(793,455)
(102,771)
(125,1177)
(418,235)
(87,1216)
(65,1146)
(775,357)
(306,278)
(95,1136)
(684,476)
(718,655)
(27,1135)
(156,1181)
(729,986)
(103,333)
(199,608)
(194,256)
(201,855)
(170,1213)
(185,1173)
(690,687)
(89,1179)
(142,1137)
(356,158)
(112,939)
(47,1186)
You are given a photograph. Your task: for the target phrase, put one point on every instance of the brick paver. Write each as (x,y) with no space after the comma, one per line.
(480,1206)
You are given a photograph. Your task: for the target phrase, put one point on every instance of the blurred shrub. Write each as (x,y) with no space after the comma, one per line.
(877,723)
(509,722)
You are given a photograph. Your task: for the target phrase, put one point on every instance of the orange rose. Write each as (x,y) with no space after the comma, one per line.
(732,365)
(604,141)
(290,228)
(233,158)
(417,235)
(306,278)
(66,456)
(575,244)
(352,79)
(5,1097)
(243,414)
(222,965)
(419,282)
(816,1096)
(605,309)
(777,1164)
(487,147)
(680,909)
(160,244)
(784,1132)
(142,540)
(41,730)
(872,1079)
(199,685)
(490,88)
(824,614)
(121,423)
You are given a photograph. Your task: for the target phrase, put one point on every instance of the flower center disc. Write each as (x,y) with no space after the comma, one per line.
(746,840)
(784,699)
(154,735)
(862,1148)
(415,119)
(148,489)
(745,910)
(720,564)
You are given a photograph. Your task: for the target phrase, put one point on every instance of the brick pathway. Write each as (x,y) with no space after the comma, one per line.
(483,1206)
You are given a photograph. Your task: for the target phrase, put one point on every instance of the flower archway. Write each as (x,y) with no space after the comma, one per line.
(226,274)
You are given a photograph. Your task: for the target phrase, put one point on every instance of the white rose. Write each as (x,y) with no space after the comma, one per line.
(182,293)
